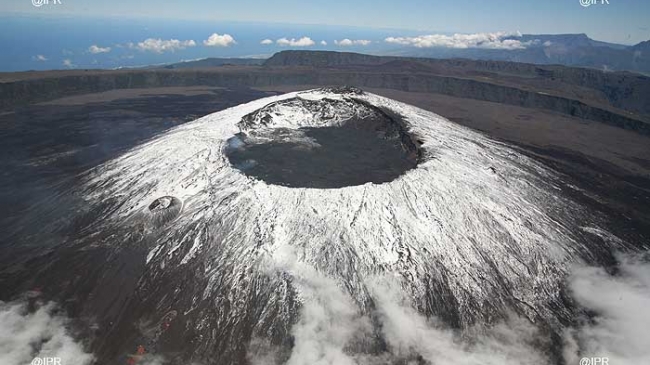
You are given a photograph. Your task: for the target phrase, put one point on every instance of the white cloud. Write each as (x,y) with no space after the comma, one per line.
(499,40)
(217,40)
(547,43)
(410,334)
(160,45)
(25,335)
(621,328)
(68,63)
(323,43)
(39,57)
(331,323)
(266,41)
(329,319)
(302,42)
(349,42)
(94,49)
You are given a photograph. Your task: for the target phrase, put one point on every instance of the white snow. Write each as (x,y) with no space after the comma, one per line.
(480,220)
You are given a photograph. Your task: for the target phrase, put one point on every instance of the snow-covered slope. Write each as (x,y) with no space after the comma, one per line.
(474,232)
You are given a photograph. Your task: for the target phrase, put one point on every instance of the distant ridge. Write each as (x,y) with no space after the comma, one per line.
(577,50)
(351,59)
(622,89)
(643,46)
(614,98)
(215,62)
(326,59)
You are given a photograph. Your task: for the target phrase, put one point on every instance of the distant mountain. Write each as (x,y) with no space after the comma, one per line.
(576,50)
(642,47)
(565,49)
(216,62)
(568,40)
(325,59)
(623,90)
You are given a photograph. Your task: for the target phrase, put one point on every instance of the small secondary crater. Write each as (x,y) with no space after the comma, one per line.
(164,209)
(373,148)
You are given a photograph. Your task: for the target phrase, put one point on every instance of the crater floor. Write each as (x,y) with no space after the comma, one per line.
(328,157)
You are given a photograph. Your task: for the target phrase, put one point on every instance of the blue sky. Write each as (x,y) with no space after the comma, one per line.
(128,33)
(622,21)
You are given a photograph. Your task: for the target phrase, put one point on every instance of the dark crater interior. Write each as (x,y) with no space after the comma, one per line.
(374,149)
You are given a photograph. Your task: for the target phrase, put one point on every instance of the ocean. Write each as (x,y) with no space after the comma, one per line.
(64,41)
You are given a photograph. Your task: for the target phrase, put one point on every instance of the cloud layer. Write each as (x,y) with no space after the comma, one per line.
(95,49)
(330,324)
(162,45)
(329,319)
(217,40)
(349,42)
(499,40)
(27,335)
(410,335)
(302,42)
(621,328)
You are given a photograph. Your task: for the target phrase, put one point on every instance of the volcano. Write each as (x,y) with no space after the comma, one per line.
(326,227)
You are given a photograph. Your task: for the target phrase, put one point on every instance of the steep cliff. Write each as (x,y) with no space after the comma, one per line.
(618,99)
